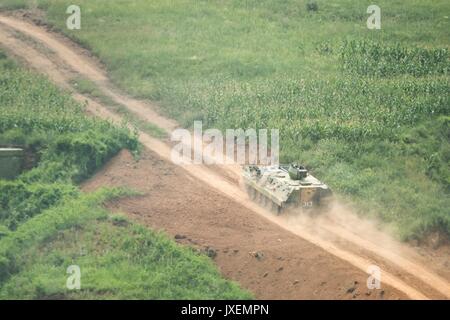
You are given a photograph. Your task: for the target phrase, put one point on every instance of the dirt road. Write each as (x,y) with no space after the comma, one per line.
(275,257)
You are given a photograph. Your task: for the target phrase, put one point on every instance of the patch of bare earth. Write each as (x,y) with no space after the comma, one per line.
(262,257)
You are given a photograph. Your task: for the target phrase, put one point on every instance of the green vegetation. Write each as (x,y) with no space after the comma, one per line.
(65,145)
(382,60)
(367,110)
(48,224)
(117,259)
(87,87)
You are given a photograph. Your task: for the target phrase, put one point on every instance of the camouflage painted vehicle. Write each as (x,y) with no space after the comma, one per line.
(282,187)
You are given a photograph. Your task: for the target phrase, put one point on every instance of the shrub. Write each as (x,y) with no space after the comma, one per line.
(312,6)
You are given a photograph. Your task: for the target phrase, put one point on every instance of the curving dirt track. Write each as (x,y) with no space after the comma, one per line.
(302,257)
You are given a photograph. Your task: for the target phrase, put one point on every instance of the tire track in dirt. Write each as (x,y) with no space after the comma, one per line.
(81,65)
(85,67)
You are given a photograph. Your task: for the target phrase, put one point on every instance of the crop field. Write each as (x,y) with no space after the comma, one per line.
(366,110)
(43,213)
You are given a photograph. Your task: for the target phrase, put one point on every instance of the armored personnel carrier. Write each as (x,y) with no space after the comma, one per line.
(285,186)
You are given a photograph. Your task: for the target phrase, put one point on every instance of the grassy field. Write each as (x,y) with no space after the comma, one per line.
(117,259)
(366,110)
(48,224)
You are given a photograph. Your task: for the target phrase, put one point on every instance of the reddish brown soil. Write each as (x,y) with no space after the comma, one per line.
(289,267)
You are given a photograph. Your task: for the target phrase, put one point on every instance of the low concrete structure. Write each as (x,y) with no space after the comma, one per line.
(11,162)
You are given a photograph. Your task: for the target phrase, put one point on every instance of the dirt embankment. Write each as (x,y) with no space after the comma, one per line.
(275,257)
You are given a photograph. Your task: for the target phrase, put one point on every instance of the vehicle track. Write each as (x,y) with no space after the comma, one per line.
(63,60)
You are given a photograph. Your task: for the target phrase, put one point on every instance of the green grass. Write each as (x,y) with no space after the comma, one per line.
(366,110)
(48,224)
(66,145)
(87,87)
(117,259)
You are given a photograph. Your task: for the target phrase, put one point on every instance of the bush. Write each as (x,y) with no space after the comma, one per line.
(312,6)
